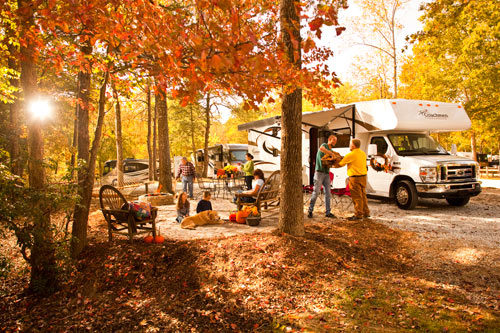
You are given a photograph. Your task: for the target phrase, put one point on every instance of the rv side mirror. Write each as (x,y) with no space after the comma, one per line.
(453,149)
(372,149)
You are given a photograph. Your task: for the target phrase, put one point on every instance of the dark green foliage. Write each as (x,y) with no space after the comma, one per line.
(19,210)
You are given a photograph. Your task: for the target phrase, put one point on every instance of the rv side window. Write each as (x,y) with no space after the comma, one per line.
(142,166)
(237,155)
(107,169)
(129,168)
(343,140)
(381,144)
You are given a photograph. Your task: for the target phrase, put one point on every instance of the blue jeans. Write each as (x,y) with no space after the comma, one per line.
(321,179)
(187,184)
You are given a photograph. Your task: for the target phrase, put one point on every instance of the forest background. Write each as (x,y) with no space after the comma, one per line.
(120,87)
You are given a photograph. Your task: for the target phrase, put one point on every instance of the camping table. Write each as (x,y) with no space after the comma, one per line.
(231,185)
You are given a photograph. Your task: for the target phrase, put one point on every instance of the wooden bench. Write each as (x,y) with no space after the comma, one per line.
(268,196)
(120,218)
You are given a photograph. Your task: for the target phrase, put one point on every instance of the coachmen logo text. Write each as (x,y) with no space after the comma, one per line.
(426,114)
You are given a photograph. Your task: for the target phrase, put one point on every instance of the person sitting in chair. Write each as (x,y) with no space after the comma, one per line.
(250,195)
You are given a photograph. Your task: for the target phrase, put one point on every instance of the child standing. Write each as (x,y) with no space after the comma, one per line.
(248,170)
(204,204)
(182,207)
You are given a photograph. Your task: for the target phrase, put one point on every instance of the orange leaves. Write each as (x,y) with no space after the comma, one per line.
(222,4)
(216,62)
(309,44)
(316,23)
(339,30)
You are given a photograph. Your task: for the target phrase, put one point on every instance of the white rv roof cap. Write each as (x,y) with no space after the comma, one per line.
(413,115)
(386,115)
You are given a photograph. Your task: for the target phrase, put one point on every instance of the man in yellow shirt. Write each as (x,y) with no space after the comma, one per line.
(356,170)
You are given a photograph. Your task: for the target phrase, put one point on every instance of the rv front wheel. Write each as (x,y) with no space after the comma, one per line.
(458,202)
(406,195)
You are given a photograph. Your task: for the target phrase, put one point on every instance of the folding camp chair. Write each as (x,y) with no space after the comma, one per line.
(341,198)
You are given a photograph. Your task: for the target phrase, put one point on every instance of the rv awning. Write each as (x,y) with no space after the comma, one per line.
(322,119)
(318,119)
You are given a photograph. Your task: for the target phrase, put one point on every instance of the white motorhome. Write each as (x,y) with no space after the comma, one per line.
(404,162)
(219,156)
(134,171)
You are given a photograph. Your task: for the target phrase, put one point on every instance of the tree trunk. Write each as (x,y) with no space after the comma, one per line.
(97,133)
(291,218)
(155,150)
(394,53)
(119,139)
(86,180)
(44,277)
(163,141)
(193,144)
(81,212)
(207,135)
(14,115)
(150,151)
(72,162)
(473,145)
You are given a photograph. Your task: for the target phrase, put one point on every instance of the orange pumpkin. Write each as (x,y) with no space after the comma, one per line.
(159,239)
(241,216)
(148,239)
(232,217)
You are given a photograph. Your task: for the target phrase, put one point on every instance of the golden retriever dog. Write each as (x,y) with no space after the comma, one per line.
(203,218)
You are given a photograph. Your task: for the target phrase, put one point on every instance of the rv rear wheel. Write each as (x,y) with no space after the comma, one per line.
(458,202)
(406,195)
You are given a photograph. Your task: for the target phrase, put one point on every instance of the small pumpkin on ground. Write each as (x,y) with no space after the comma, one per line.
(159,239)
(241,216)
(148,239)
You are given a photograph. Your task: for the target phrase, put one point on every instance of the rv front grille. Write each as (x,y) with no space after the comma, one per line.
(457,173)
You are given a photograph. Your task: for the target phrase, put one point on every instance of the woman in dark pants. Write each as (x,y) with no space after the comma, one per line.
(250,195)
(247,168)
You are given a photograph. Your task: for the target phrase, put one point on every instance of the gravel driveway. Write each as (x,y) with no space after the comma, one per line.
(476,224)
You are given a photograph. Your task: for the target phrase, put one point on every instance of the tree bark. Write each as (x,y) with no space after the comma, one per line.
(155,140)
(473,145)
(150,150)
(14,116)
(44,276)
(72,162)
(86,179)
(291,219)
(394,53)
(119,139)
(207,136)
(81,212)
(163,141)
(193,144)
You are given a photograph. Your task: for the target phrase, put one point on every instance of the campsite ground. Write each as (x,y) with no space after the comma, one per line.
(435,268)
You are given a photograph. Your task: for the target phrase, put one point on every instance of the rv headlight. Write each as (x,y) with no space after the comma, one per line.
(428,174)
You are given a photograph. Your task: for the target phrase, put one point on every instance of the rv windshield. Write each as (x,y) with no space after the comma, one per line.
(237,155)
(415,144)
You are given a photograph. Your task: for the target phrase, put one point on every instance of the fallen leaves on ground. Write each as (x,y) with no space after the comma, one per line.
(339,276)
